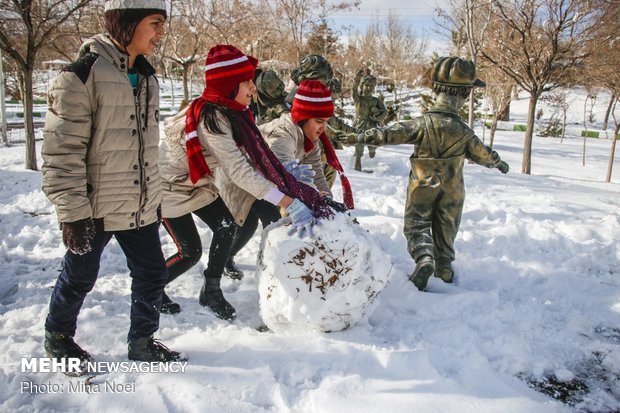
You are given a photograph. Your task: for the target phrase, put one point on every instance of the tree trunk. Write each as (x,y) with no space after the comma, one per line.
(563,126)
(31,149)
(612,152)
(493,129)
(171,90)
(526,166)
(611,104)
(585,127)
(471,108)
(505,115)
(5,136)
(583,151)
(186,83)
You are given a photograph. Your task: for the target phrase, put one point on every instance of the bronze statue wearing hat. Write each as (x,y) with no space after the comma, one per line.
(436,191)
(271,97)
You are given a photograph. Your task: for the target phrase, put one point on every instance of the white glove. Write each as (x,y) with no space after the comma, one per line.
(302,172)
(301,217)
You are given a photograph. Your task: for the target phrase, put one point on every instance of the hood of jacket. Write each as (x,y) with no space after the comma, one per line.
(103,46)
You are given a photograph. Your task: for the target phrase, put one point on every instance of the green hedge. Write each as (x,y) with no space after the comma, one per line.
(589,134)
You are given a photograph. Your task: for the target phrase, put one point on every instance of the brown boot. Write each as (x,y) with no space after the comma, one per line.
(424,268)
(444,272)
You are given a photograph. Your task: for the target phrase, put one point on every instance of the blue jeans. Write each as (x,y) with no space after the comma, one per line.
(147,267)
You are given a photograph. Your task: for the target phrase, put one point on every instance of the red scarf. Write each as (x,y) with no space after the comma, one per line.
(332,160)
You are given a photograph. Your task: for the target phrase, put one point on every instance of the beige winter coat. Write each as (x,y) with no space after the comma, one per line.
(100,147)
(239,183)
(286,140)
(180,196)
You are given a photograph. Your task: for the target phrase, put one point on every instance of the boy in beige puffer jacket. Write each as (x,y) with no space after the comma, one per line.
(100,154)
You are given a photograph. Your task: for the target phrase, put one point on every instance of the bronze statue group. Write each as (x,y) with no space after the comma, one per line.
(107,174)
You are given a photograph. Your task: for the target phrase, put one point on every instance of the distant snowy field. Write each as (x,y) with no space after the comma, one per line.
(536,304)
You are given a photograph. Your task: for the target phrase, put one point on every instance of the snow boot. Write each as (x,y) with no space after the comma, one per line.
(61,346)
(211,296)
(425,266)
(444,272)
(168,306)
(231,270)
(151,350)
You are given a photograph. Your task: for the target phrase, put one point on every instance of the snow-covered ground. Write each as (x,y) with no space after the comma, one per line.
(535,307)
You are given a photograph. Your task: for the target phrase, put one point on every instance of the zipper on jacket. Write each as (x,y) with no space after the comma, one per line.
(142,179)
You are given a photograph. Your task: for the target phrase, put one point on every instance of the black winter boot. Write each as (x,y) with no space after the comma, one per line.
(168,306)
(424,268)
(231,270)
(61,346)
(211,296)
(149,349)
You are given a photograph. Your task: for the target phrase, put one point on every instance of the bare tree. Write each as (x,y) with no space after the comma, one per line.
(587,117)
(362,48)
(558,102)
(83,24)
(389,47)
(614,139)
(468,20)
(323,40)
(294,19)
(603,64)
(537,43)
(26,27)
(227,21)
(400,49)
(498,96)
(187,38)
(612,99)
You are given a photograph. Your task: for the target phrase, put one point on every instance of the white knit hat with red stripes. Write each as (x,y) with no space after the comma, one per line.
(312,100)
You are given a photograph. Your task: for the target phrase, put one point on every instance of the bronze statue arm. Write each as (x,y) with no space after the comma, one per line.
(410,132)
(484,155)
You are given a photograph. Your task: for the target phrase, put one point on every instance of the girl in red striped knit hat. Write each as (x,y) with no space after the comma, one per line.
(224,146)
(299,135)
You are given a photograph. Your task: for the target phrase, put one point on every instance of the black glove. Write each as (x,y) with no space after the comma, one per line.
(335,205)
(503,167)
(77,235)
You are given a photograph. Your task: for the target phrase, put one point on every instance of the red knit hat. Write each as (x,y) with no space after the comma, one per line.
(312,100)
(226,67)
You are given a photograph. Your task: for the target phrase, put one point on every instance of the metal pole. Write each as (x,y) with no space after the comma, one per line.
(5,137)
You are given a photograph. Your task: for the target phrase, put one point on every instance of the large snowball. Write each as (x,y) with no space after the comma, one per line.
(327,282)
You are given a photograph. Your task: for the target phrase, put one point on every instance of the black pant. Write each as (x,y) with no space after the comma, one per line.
(147,267)
(261,210)
(185,235)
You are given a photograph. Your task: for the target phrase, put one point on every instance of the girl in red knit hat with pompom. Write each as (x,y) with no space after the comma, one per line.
(298,136)
(224,147)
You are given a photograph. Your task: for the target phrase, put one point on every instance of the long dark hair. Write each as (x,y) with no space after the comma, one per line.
(209,114)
